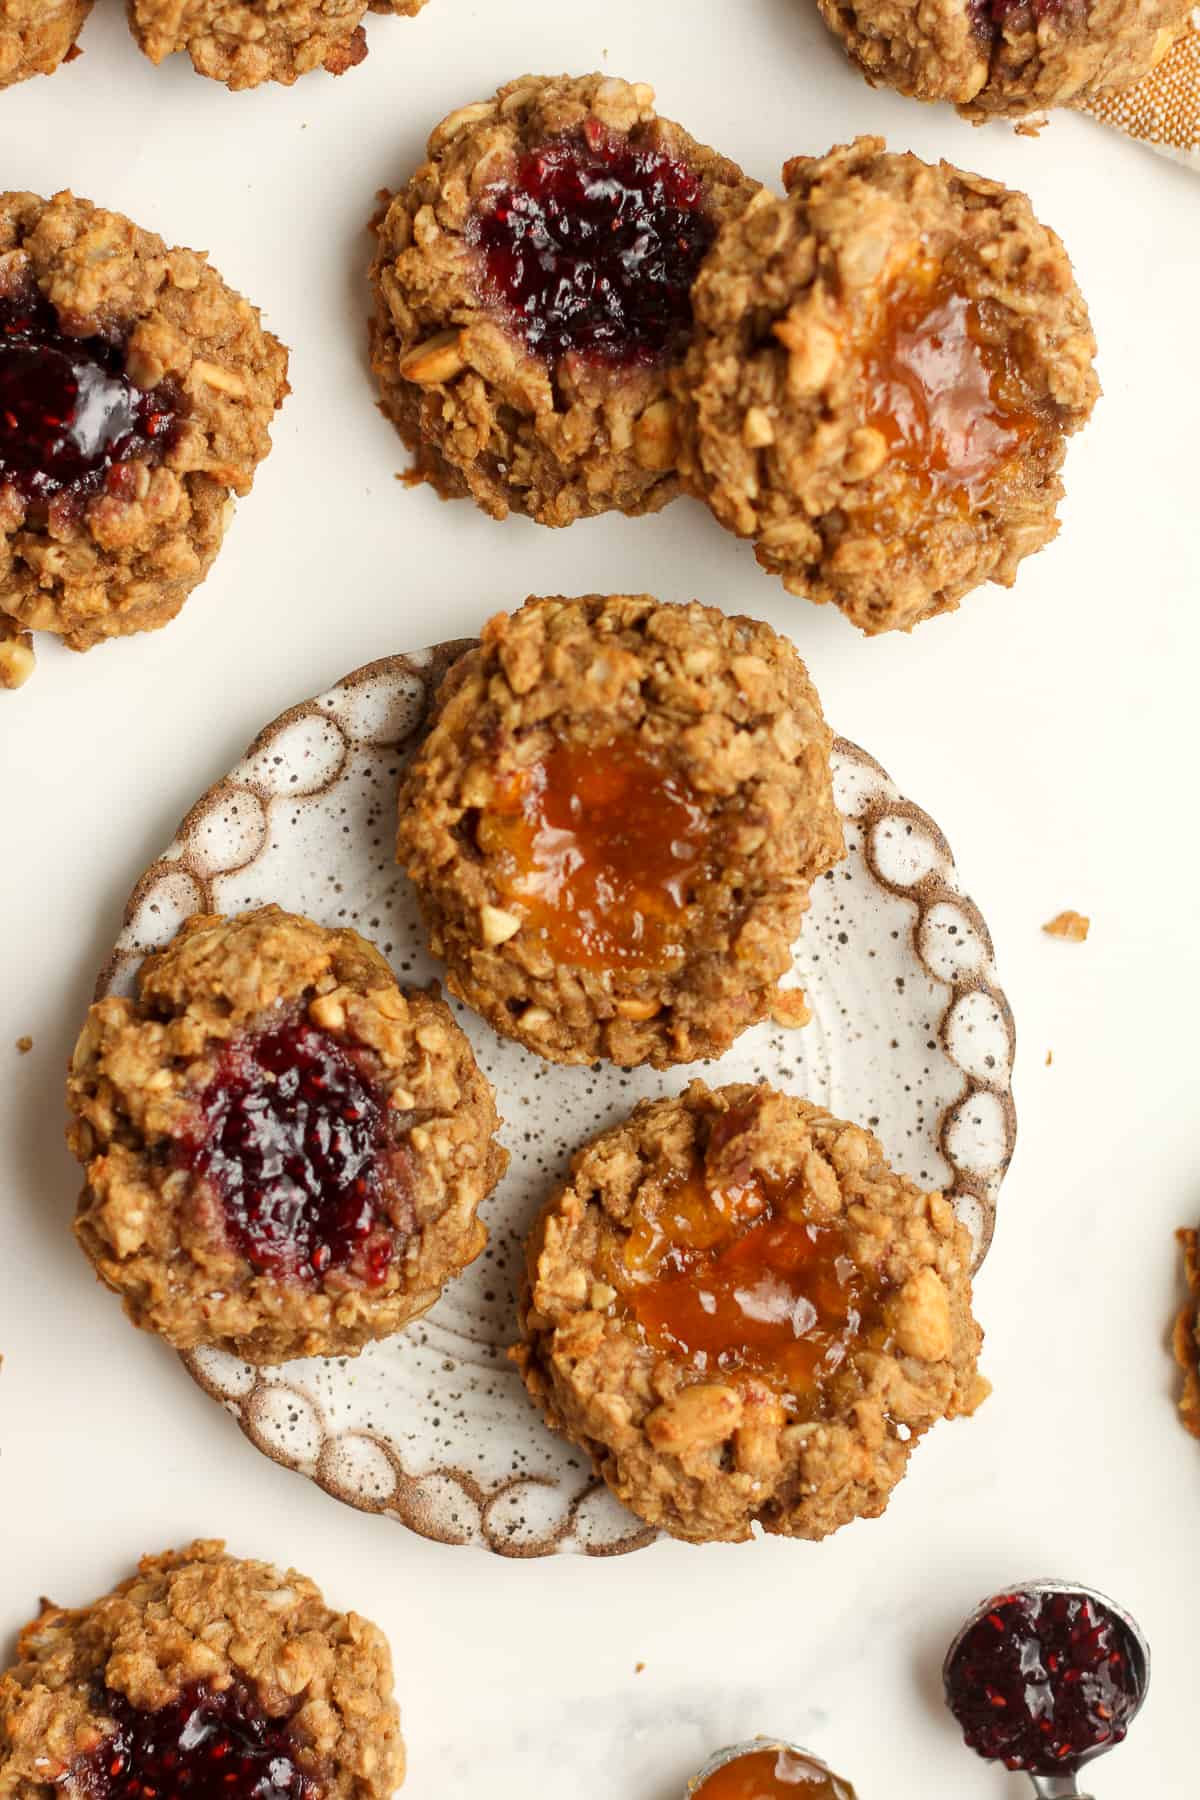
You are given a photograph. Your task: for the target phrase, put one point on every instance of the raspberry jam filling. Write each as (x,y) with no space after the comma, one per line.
(69,414)
(206,1745)
(728,1272)
(990,16)
(594,248)
(600,849)
(774,1774)
(940,392)
(292,1137)
(1043,1681)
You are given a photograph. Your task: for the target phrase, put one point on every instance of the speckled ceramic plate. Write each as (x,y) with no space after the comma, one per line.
(910,1035)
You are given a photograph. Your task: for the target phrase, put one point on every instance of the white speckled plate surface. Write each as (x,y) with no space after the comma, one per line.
(910,1035)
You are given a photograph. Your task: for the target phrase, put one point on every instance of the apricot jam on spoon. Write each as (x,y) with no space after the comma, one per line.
(767,1769)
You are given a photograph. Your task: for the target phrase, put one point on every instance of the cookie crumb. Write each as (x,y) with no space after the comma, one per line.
(24,1045)
(1049,1058)
(638,1667)
(1070,925)
(790,1008)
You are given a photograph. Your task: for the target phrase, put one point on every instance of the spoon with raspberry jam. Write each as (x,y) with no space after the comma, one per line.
(1044,1678)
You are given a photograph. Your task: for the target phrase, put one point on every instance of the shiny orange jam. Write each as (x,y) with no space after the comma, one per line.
(600,848)
(771,1774)
(735,1276)
(940,393)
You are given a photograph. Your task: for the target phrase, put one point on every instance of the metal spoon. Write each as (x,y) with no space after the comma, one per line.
(732,1752)
(1066,1787)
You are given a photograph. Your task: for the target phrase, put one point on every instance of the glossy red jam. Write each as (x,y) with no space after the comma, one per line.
(1043,1681)
(205,1745)
(990,16)
(69,415)
(774,1774)
(730,1273)
(292,1136)
(594,248)
(600,849)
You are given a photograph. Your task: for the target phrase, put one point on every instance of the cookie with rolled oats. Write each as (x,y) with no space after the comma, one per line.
(884,370)
(136,394)
(1006,58)
(745,1316)
(246,42)
(202,1674)
(37,35)
(532,290)
(614,825)
(284,1152)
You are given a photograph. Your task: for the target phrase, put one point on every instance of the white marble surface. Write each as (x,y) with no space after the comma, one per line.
(1051,730)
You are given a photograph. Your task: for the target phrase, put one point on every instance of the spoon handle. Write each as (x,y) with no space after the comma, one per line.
(1057,1787)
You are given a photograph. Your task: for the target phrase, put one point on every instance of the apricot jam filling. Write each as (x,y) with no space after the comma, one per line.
(732,1274)
(774,1774)
(600,849)
(940,393)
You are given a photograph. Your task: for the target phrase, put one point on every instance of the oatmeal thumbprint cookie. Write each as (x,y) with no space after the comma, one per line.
(532,290)
(37,35)
(246,42)
(136,392)
(745,1317)
(884,370)
(614,822)
(1006,58)
(284,1152)
(203,1675)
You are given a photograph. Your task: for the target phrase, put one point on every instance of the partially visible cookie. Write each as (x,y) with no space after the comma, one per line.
(284,1153)
(532,287)
(202,1675)
(614,823)
(136,393)
(745,1317)
(37,35)
(1005,57)
(1186,1338)
(246,42)
(884,369)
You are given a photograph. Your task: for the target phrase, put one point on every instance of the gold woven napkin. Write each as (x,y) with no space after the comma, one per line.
(1163,109)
